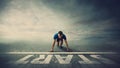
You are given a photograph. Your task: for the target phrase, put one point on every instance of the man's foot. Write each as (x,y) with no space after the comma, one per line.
(68,50)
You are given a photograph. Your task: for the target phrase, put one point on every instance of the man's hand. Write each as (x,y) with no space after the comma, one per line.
(51,50)
(66,44)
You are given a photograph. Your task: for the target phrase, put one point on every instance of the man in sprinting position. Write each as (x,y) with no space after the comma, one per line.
(59,37)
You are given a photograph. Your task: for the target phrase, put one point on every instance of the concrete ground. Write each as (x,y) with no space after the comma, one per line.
(29,55)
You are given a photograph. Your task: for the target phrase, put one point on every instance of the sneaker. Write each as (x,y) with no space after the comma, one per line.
(68,50)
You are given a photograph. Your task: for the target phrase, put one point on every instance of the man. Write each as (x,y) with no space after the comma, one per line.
(59,37)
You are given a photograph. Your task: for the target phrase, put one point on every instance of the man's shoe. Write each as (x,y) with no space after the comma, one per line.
(68,50)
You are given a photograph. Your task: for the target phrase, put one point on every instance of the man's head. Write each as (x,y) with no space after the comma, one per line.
(60,33)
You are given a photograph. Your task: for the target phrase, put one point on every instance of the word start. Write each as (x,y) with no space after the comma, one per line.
(63,59)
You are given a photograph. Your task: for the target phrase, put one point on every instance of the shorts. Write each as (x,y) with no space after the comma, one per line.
(59,40)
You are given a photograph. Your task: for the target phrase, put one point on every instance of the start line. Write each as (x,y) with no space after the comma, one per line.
(59,53)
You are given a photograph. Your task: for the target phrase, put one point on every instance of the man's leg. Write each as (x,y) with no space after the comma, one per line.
(57,42)
(61,43)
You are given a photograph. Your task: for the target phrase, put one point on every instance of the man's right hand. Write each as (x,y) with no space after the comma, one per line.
(52,50)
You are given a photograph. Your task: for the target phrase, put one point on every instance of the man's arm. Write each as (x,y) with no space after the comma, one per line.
(66,44)
(52,49)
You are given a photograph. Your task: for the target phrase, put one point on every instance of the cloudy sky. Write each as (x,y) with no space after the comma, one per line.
(80,20)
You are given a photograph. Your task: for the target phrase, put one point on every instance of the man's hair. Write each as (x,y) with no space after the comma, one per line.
(60,32)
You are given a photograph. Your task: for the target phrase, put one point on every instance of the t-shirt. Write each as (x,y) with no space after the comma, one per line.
(56,36)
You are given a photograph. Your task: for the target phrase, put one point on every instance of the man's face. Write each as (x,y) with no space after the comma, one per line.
(59,36)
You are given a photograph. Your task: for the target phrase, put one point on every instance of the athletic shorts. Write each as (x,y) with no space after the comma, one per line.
(59,40)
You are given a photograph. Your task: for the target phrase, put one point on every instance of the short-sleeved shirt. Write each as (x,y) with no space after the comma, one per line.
(56,37)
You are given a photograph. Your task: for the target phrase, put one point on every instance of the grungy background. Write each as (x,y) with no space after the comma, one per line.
(29,26)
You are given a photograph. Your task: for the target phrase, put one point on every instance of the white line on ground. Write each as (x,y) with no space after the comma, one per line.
(58,53)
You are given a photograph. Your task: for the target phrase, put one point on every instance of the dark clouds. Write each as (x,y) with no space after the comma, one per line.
(3,4)
(99,17)
(87,18)
(92,10)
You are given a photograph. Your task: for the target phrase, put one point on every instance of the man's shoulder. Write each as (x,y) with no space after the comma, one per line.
(55,34)
(64,35)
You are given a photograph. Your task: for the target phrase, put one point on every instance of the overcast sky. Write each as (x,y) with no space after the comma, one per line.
(78,19)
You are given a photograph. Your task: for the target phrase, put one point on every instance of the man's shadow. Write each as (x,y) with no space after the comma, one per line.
(65,49)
